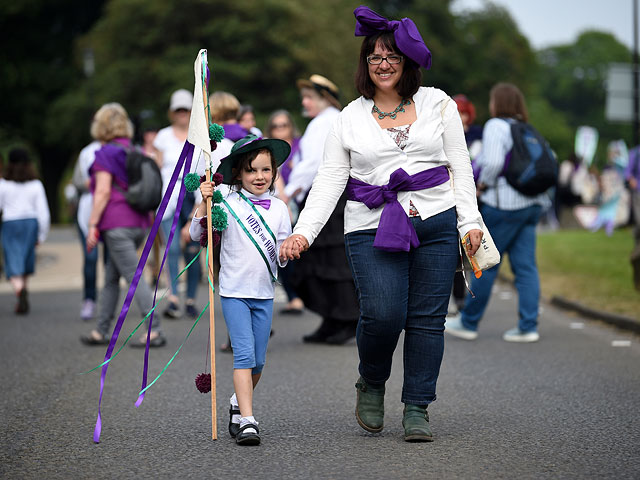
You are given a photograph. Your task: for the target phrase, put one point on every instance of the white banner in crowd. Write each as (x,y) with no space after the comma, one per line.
(586,143)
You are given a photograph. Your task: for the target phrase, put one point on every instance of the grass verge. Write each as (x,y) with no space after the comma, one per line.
(590,268)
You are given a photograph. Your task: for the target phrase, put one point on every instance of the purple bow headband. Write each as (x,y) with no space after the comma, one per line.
(404,31)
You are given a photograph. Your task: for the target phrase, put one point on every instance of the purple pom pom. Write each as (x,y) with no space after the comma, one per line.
(214,145)
(203,382)
(203,222)
(217,178)
(203,178)
(204,239)
(216,238)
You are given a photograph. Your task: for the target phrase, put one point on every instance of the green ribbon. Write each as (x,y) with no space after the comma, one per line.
(146,316)
(177,351)
(266,262)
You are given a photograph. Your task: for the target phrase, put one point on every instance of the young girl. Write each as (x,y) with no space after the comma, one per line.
(25,222)
(257,224)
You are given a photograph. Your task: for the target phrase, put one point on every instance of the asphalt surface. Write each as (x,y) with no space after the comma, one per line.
(565,407)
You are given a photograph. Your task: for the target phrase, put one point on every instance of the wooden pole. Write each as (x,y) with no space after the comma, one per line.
(212,323)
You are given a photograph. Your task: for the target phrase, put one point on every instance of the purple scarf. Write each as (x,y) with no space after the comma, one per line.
(286,167)
(395,231)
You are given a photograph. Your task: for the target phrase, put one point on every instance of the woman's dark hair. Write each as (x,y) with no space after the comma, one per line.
(508,101)
(410,80)
(20,169)
(243,163)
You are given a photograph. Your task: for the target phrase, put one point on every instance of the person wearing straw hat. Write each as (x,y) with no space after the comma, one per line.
(256,225)
(322,278)
(399,151)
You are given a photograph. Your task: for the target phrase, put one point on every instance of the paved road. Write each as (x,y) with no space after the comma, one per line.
(565,407)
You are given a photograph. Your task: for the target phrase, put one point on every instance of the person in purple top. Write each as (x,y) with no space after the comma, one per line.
(632,177)
(118,225)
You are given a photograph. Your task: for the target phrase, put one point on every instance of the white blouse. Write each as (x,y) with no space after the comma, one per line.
(22,200)
(357,147)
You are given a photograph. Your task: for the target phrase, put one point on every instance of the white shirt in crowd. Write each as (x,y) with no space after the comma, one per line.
(80,178)
(359,148)
(170,146)
(23,200)
(496,143)
(310,158)
(243,272)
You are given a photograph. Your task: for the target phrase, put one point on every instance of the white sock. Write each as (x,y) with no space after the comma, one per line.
(234,404)
(249,420)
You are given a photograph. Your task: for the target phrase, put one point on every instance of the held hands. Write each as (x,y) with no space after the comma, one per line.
(293,246)
(473,241)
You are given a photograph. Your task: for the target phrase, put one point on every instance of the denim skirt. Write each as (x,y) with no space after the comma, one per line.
(19,239)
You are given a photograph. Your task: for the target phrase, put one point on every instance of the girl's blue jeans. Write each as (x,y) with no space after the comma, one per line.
(405,291)
(249,324)
(514,233)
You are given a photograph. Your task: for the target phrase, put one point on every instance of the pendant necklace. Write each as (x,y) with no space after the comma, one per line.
(392,115)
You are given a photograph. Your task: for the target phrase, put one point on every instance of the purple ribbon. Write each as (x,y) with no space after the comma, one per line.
(405,32)
(187,152)
(264,203)
(395,230)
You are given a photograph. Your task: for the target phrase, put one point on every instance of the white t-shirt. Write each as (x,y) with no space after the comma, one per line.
(170,147)
(22,200)
(85,203)
(243,272)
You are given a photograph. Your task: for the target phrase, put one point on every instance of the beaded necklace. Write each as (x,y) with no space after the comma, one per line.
(392,115)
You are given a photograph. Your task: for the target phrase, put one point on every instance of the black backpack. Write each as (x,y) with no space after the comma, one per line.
(531,166)
(145,181)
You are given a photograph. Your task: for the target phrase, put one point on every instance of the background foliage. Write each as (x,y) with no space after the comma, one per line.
(144,50)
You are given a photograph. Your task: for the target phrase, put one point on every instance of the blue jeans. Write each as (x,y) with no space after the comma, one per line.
(405,290)
(89,268)
(249,324)
(514,233)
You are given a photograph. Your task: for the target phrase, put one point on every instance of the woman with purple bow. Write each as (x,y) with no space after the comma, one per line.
(400,152)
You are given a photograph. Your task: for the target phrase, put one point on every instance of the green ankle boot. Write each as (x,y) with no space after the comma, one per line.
(370,406)
(415,421)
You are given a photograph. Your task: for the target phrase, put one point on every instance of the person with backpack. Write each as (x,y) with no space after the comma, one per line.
(510,215)
(117,223)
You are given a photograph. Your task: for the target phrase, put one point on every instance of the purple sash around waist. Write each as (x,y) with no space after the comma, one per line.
(395,231)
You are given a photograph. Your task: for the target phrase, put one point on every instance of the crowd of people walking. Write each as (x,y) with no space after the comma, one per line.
(369,204)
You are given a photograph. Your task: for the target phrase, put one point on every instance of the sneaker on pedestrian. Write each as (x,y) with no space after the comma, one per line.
(191,311)
(515,335)
(454,326)
(88,309)
(172,311)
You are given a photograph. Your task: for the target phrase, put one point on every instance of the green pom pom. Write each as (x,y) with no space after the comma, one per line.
(217,196)
(191,182)
(216,132)
(218,218)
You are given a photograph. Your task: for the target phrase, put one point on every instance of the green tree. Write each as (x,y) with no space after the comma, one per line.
(36,66)
(572,79)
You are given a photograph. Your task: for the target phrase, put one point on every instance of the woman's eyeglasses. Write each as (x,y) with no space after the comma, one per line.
(280,125)
(391,59)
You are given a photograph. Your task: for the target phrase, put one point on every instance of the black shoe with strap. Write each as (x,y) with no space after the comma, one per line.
(248,438)
(234,428)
